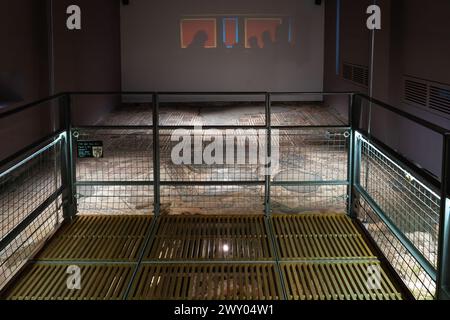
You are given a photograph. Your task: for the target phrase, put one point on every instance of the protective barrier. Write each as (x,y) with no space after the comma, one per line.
(320,168)
(31,205)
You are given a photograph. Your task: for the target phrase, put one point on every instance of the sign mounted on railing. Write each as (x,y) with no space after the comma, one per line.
(90,149)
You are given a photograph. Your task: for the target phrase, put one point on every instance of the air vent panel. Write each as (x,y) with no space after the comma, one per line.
(430,95)
(440,99)
(356,74)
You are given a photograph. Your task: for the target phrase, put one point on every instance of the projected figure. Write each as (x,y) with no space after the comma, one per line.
(199,41)
(282,37)
(253,43)
(267,40)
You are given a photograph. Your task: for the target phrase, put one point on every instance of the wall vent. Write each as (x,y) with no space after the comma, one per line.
(416,92)
(440,99)
(427,94)
(356,74)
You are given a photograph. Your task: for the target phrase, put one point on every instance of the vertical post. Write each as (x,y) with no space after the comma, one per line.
(67,164)
(156,156)
(268,155)
(355,168)
(443,277)
(350,162)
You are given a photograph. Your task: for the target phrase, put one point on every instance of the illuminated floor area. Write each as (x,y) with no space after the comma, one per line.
(298,257)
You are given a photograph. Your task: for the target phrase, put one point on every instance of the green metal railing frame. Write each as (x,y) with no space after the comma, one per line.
(67,134)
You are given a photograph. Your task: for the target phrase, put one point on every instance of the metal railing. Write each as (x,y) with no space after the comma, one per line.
(339,166)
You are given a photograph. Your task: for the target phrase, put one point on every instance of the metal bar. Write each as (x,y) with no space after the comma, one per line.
(32,156)
(350,162)
(148,240)
(156,155)
(212,183)
(310,127)
(405,114)
(219,127)
(443,278)
(203,93)
(276,254)
(311,183)
(78,128)
(356,172)
(29,219)
(180,183)
(268,175)
(44,142)
(114,183)
(29,105)
(68,196)
(424,263)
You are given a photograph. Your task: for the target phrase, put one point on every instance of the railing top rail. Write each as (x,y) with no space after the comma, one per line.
(12,111)
(424,123)
(208,93)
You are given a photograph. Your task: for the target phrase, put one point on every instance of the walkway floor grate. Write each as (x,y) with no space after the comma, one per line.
(338,281)
(210,238)
(207,282)
(115,238)
(50,282)
(318,236)
(298,257)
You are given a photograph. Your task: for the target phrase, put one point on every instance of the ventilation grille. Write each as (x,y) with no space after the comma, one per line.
(416,92)
(356,74)
(440,99)
(427,94)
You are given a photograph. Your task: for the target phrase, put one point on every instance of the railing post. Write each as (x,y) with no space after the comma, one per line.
(156,157)
(67,162)
(350,159)
(443,276)
(268,172)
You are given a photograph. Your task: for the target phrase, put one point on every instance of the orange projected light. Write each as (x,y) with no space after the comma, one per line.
(198,33)
(255,28)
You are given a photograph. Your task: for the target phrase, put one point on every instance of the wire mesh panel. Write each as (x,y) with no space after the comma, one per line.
(312,173)
(406,265)
(24,189)
(318,155)
(292,199)
(98,199)
(212,199)
(126,156)
(119,180)
(212,155)
(412,207)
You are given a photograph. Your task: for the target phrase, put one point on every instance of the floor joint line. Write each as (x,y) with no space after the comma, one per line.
(149,237)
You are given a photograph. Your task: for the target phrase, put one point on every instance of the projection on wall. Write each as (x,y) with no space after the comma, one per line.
(198,33)
(261,32)
(232,32)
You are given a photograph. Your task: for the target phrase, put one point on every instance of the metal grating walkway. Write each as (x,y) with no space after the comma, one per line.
(297,257)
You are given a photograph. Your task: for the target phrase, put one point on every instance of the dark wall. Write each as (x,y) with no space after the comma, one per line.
(414,41)
(24,69)
(152,57)
(88,59)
